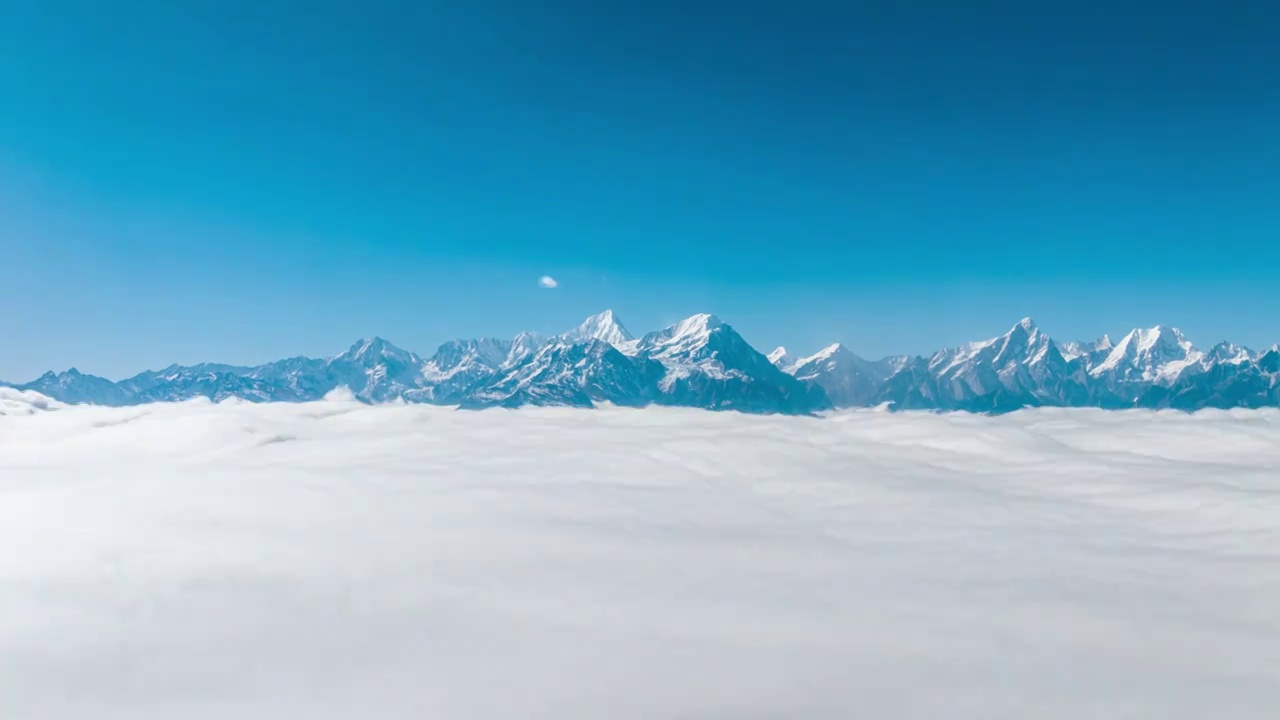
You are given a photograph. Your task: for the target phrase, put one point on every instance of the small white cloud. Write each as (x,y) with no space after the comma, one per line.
(547,281)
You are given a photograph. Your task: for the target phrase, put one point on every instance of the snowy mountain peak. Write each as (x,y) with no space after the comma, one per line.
(696,325)
(373,350)
(825,353)
(1160,335)
(702,362)
(1156,354)
(604,326)
(1092,352)
(1229,352)
(690,335)
(487,352)
(832,358)
(780,357)
(523,346)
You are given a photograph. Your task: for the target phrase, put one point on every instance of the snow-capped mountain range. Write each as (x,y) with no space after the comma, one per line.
(703,362)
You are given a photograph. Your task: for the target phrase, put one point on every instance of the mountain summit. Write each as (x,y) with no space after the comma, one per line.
(605,327)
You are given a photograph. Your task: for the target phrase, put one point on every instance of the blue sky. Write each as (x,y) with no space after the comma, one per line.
(242,182)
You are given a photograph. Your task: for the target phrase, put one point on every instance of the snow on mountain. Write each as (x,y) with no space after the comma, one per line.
(687,339)
(1019,361)
(1228,380)
(576,374)
(1269,361)
(1230,353)
(375,370)
(708,364)
(295,379)
(1157,355)
(1022,368)
(605,327)
(215,386)
(703,362)
(1093,352)
(375,352)
(145,381)
(846,379)
(523,346)
(74,387)
(461,365)
(781,359)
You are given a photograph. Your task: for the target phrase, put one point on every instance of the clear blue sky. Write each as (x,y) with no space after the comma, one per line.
(246,181)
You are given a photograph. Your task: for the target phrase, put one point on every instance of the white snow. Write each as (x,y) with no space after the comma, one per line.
(1158,354)
(685,336)
(337,560)
(605,327)
(1072,349)
(781,358)
(682,349)
(826,360)
(823,354)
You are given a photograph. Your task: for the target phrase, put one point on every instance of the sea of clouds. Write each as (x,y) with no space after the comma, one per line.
(338,560)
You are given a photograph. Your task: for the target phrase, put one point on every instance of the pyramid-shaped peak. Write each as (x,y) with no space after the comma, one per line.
(1026,327)
(779,356)
(372,349)
(604,326)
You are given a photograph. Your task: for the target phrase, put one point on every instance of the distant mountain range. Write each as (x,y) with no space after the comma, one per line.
(703,362)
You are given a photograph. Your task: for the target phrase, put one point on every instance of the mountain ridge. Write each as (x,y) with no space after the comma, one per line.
(702,361)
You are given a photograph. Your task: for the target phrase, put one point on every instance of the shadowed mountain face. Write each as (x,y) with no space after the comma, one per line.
(703,362)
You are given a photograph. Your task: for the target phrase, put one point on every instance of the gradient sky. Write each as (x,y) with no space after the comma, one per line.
(247,181)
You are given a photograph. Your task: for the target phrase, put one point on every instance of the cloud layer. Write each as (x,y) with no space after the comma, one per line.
(336,560)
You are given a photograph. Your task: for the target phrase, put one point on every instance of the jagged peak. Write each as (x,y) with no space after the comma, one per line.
(779,356)
(1229,352)
(1151,354)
